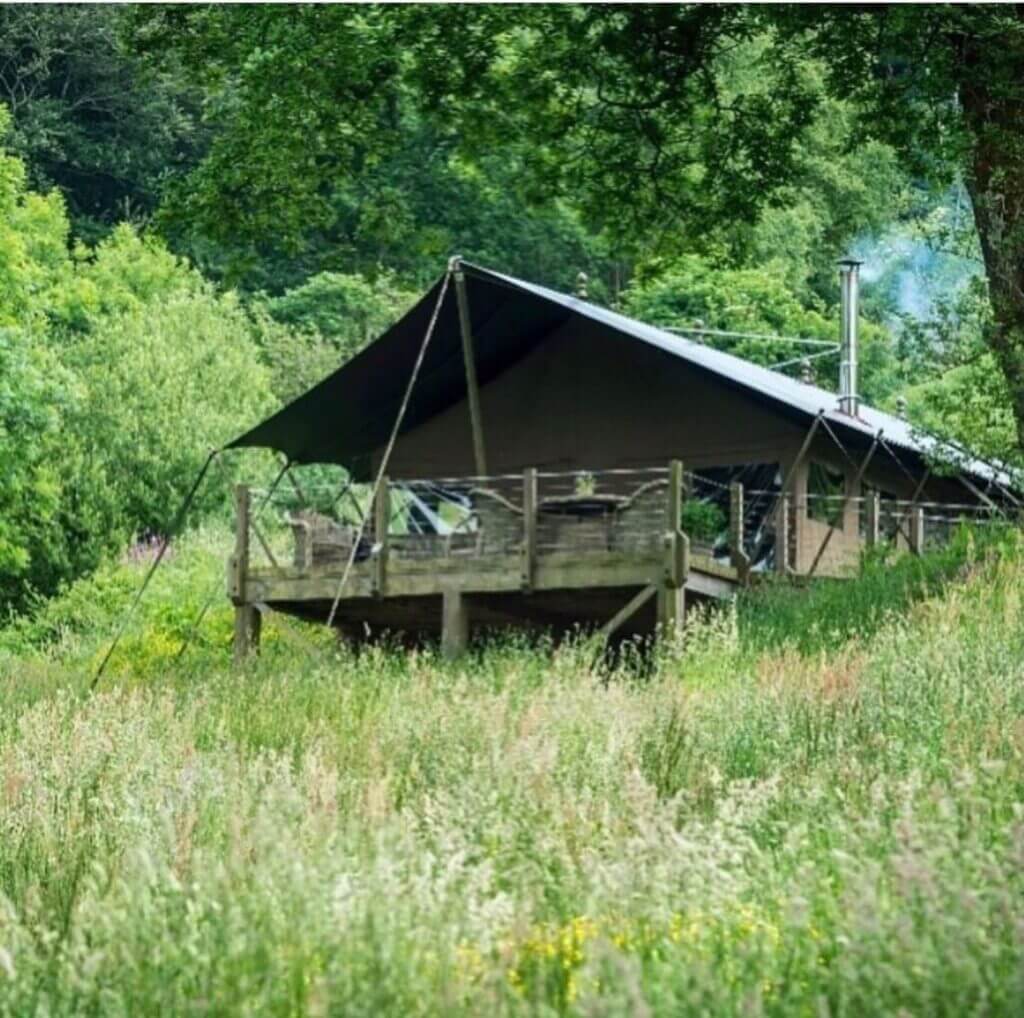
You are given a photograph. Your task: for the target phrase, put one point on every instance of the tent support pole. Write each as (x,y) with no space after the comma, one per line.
(978,493)
(172,531)
(469,359)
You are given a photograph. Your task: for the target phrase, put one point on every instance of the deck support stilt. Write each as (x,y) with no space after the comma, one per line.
(248,623)
(454,623)
(671,609)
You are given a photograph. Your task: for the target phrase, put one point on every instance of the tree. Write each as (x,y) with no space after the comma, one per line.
(89,117)
(115,362)
(656,119)
(690,292)
(945,86)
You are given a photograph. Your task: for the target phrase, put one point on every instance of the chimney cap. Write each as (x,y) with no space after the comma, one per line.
(851,262)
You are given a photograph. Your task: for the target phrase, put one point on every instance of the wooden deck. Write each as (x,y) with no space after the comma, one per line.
(546,551)
(539,554)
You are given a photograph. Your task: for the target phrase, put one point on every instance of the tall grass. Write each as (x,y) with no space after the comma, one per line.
(785,816)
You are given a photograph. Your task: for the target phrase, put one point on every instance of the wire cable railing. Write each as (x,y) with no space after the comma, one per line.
(621,510)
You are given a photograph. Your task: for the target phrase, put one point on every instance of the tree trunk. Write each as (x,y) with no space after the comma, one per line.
(993,109)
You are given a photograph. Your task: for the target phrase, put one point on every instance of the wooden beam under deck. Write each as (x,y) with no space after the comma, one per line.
(443,597)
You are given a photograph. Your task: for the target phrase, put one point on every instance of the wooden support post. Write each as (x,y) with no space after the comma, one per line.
(737,552)
(247,618)
(529,560)
(248,623)
(677,560)
(917,529)
(676,544)
(469,360)
(454,623)
(872,519)
(672,588)
(671,609)
(381,526)
(782,534)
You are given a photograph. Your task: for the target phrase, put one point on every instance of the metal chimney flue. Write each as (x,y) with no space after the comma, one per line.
(849,289)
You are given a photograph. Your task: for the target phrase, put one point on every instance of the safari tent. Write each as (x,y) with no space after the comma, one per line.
(490,382)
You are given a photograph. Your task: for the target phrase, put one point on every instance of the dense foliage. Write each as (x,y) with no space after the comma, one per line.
(666,126)
(90,116)
(116,363)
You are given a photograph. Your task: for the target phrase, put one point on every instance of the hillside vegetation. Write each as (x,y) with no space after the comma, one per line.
(773,817)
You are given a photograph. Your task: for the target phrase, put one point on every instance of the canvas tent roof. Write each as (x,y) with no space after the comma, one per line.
(350,414)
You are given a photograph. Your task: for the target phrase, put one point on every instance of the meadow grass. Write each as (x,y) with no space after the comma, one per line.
(811,804)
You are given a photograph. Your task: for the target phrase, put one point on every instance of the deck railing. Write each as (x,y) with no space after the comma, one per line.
(539,513)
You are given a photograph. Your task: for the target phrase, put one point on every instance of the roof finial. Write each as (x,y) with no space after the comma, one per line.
(806,371)
(581,285)
(901,407)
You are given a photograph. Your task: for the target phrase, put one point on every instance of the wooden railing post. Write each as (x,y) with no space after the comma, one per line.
(381,526)
(247,618)
(529,554)
(737,552)
(872,518)
(917,529)
(782,535)
(674,505)
(671,589)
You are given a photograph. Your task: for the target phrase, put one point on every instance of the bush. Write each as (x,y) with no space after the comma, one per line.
(119,370)
(160,387)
